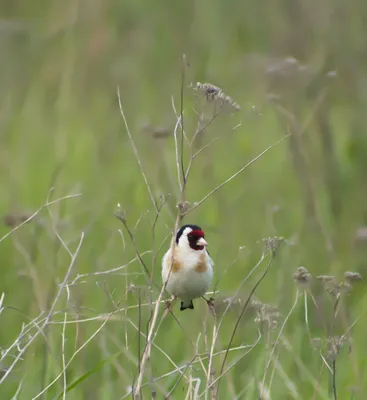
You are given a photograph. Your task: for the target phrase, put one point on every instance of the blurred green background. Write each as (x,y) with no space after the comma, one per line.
(293,67)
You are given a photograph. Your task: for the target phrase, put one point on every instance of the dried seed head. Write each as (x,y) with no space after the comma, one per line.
(288,68)
(335,288)
(302,276)
(326,278)
(207,89)
(215,94)
(255,304)
(345,287)
(231,304)
(225,100)
(131,289)
(330,284)
(272,243)
(183,207)
(232,300)
(335,343)
(266,314)
(120,214)
(351,277)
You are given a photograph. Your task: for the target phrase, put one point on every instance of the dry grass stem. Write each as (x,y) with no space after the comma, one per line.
(196,205)
(30,218)
(137,156)
(49,315)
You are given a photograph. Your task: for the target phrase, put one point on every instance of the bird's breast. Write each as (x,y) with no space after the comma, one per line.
(202,264)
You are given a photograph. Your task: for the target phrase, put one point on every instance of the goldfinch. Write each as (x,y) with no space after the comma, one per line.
(192,267)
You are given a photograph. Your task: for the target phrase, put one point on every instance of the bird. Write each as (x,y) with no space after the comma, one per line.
(192,267)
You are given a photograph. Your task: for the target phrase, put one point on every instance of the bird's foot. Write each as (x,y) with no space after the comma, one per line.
(210,303)
(168,305)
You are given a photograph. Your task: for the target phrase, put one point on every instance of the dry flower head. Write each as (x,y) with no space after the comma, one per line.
(272,243)
(302,276)
(335,344)
(330,284)
(351,277)
(215,94)
(335,288)
(266,314)
(183,207)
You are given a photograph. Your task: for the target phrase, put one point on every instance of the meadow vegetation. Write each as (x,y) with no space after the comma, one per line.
(121,120)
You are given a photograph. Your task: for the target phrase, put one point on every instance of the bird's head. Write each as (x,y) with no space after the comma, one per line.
(191,237)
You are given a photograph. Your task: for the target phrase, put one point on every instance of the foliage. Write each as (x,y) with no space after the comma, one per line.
(283,157)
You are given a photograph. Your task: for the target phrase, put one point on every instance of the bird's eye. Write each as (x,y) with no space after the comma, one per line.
(189,236)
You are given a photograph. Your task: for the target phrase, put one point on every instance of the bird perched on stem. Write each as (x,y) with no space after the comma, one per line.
(192,268)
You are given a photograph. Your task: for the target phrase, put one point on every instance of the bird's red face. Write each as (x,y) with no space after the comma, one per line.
(196,239)
(191,236)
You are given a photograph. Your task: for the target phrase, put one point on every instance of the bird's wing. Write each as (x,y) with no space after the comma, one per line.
(210,259)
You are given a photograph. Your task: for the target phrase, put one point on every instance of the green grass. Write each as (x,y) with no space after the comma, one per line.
(61,128)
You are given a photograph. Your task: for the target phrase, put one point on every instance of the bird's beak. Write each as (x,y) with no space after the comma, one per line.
(201,242)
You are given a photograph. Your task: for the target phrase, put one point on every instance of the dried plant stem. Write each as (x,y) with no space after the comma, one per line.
(138,254)
(47,204)
(183,173)
(331,164)
(154,315)
(237,173)
(300,164)
(205,147)
(191,143)
(334,379)
(50,313)
(217,327)
(218,379)
(63,335)
(209,377)
(198,358)
(73,356)
(109,271)
(177,153)
(215,337)
(317,386)
(183,74)
(154,320)
(277,340)
(306,314)
(168,395)
(240,316)
(180,171)
(136,151)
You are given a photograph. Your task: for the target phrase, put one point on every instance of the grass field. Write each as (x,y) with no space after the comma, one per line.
(81,307)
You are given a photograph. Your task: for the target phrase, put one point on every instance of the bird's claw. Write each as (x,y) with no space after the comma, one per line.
(211,305)
(168,305)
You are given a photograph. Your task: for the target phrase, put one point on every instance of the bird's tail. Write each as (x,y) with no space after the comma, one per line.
(187,304)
